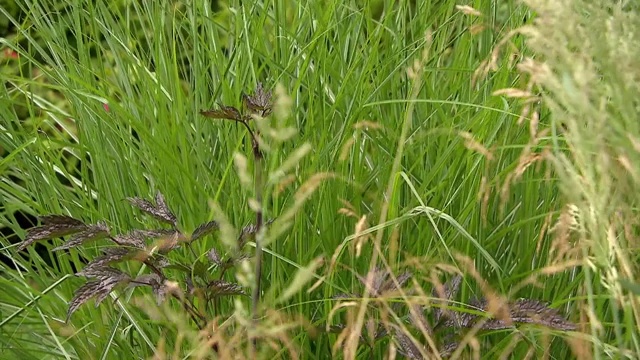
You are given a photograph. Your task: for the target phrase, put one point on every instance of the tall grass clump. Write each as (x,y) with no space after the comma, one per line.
(314,179)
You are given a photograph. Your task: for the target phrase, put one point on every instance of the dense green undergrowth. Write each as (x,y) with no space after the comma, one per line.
(410,179)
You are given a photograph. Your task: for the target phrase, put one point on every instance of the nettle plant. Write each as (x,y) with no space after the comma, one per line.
(152,247)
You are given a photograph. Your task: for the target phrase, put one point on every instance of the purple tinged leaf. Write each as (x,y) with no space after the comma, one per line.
(191,289)
(161,262)
(169,242)
(137,238)
(142,204)
(100,272)
(204,230)
(91,232)
(260,101)
(535,312)
(53,226)
(417,319)
(336,329)
(99,289)
(378,278)
(448,349)
(160,211)
(523,311)
(383,281)
(146,280)
(164,209)
(61,220)
(224,112)
(248,232)
(214,257)
(451,289)
(134,239)
(218,288)
(154,234)
(110,255)
(406,346)
(155,282)
(390,284)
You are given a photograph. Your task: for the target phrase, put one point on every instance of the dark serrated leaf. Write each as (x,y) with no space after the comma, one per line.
(214,257)
(259,101)
(190,287)
(169,242)
(535,312)
(159,211)
(417,319)
(155,282)
(374,280)
(99,289)
(218,288)
(224,112)
(100,272)
(448,349)
(406,346)
(451,289)
(142,204)
(390,284)
(204,230)
(381,332)
(161,262)
(110,255)
(336,329)
(467,319)
(165,240)
(154,234)
(91,232)
(134,239)
(53,226)
(248,232)
(61,220)
(523,311)
(152,280)
(161,204)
